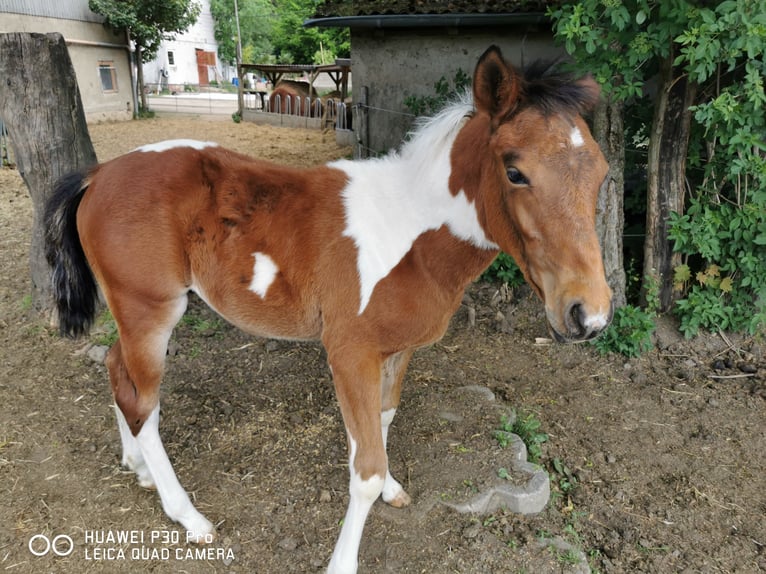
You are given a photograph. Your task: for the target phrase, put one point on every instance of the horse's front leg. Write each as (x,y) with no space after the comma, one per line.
(357,380)
(391,388)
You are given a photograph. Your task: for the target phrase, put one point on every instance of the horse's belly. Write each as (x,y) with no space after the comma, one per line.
(265,315)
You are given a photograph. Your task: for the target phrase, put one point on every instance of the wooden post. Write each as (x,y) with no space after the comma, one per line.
(41,107)
(361,125)
(610,219)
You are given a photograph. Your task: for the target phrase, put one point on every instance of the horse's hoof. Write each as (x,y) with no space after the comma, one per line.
(400,500)
(199,530)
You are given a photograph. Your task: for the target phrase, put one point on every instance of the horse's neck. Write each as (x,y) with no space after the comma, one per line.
(394,202)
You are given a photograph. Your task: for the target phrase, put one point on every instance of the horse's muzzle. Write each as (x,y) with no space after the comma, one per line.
(580,325)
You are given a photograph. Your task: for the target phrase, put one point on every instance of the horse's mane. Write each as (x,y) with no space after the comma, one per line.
(430,134)
(546,86)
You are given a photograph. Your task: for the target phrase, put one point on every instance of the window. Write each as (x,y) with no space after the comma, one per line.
(171,58)
(108,75)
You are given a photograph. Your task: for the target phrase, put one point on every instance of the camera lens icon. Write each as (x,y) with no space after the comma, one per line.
(61,545)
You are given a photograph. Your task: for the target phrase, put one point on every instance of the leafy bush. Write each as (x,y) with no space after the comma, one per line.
(429,105)
(504,270)
(724,277)
(527,428)
(722,235)
(629,334)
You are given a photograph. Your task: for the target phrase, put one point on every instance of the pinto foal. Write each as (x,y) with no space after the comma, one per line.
(372,257)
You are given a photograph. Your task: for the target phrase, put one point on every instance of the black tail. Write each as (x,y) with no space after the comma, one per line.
(74,287)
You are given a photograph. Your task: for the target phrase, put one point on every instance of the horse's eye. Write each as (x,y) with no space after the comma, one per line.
(516,177)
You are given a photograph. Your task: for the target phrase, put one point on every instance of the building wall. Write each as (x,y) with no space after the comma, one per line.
(184,69)
(393,64)
(89,43)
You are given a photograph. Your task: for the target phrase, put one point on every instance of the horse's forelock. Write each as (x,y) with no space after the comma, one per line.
(549,88)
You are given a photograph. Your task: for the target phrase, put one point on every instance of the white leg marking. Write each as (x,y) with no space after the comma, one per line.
(264,273)
(175,501)
(362,495)
(393,493)
(132,458)
(576,137)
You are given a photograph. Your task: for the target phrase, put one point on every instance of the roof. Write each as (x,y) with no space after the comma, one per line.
(427,13)
(349,8)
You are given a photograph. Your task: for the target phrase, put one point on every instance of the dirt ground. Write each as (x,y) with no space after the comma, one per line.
(659,461)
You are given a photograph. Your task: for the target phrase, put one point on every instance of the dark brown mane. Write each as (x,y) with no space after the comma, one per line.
(552,89)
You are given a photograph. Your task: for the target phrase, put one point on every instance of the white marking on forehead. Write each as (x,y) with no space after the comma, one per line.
(170,144)
(390,203)
(576,137)
(264,273)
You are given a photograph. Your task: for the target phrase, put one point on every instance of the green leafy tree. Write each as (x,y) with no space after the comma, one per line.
(722,235)
(624,43)
(256,19)
(294,44)
(148,23)
(707,60)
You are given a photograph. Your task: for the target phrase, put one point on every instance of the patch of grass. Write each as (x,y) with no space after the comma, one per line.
(105,330)
(527,427)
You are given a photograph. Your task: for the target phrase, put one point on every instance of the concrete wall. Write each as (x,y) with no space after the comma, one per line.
(393,64)
(88,44)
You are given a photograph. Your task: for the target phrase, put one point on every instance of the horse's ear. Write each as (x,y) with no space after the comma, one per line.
(591,93)
(495,85)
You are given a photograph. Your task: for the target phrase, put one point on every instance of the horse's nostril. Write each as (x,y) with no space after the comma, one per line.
(575,318)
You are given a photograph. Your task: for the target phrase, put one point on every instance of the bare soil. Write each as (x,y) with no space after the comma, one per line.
(666,454)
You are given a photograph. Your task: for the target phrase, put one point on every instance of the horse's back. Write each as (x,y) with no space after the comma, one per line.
(246,235)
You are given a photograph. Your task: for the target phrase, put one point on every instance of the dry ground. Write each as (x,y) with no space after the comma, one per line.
(669,462)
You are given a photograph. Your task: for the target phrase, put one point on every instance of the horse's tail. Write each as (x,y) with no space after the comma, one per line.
(74,287)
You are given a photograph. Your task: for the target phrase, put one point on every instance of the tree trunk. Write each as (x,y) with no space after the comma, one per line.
(47,129)
(610,220)
(666,178)
(140,77)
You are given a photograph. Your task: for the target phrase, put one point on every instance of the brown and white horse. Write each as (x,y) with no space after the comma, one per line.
(372,257)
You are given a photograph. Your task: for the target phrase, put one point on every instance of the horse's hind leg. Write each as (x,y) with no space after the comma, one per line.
(136,363)
(392,375)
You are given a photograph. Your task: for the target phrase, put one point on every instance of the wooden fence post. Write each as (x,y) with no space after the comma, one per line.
(41,107)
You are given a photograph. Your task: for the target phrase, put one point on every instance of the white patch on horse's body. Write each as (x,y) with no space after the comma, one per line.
(391,201)
(264,273)
(576,137)
(170,144)
(363,494)
(175,501)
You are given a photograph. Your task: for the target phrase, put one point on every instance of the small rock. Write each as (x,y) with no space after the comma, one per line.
(472,531)
(324,496)
(173,348)
(718,365)
(288,543)
(748,368)
(97,353)
(712,402)
(451,417)
(610,458)
(271,346)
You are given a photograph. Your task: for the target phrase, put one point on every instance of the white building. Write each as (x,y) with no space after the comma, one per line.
(191,59)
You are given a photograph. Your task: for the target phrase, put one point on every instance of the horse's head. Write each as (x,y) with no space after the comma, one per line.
(529,161)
